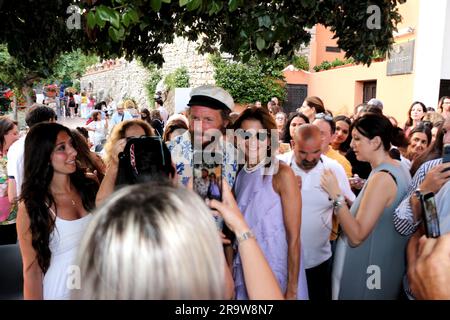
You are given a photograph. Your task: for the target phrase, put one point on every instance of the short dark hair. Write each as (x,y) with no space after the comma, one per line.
(39,113)
(371,125)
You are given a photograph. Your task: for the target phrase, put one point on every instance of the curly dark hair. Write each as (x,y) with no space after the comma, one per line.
(36,194)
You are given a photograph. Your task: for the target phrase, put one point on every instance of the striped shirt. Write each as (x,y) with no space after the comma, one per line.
(403,215)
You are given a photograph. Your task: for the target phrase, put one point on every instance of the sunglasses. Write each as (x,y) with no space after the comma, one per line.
(324,116)
(246,135)
(428,124)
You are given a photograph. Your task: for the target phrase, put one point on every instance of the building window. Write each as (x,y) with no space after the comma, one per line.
(444,88)
(332,49)
(370,90)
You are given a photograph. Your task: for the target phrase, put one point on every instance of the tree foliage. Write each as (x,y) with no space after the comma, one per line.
(36,31)
(252,81)
(71,66)
(152,81)
(177,79)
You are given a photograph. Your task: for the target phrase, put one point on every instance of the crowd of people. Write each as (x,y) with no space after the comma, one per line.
(315,206)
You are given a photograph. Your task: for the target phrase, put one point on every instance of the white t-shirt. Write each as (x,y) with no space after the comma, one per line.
(77,98)
(317,209)
(15,162)
(100,131)
(164,114)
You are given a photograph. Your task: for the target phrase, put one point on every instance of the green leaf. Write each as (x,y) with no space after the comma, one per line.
(265,21)
(113,33)
(232,5)
(91,20)
(260,43)
(126,19)
(134,16)
(193,4)
(115,19)
(104,13)
(184,2)
(156,5)
(100,22)
(166,1)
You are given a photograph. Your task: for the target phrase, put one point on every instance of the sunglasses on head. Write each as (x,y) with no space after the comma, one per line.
(425,123)
(324,116)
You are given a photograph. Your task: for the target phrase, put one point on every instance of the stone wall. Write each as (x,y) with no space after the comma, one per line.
(182,53)
(120,79)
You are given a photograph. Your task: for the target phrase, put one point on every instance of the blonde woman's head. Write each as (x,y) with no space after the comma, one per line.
(152,242)
(126,129)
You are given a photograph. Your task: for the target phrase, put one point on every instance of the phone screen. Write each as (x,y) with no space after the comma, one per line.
(430,216)
(446,154)
(207,174)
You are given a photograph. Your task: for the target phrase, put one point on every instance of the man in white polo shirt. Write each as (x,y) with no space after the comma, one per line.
(307,161)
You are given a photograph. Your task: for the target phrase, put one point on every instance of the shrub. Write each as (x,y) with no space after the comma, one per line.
(256,80)
(177,79)
(152,82)
(300,62)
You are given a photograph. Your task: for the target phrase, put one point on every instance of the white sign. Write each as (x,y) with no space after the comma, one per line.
(181,99)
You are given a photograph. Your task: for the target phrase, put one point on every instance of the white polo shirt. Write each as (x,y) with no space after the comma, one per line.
(317,208)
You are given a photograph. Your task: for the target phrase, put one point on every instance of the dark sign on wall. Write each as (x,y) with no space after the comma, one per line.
(401,59)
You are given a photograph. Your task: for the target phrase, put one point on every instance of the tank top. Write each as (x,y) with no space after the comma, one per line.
(65,239)
(374,269)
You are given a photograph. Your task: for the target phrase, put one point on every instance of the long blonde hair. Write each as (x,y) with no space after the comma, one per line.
(119,133)
(152,242)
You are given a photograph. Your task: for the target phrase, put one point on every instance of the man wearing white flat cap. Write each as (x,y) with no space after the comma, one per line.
(208,115)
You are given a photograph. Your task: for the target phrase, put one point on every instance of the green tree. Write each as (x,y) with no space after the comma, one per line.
(130,28)
(71,66)
(153,79)
(253,81)
(177,79)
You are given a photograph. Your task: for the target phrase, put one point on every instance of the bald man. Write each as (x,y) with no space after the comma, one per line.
(308,163)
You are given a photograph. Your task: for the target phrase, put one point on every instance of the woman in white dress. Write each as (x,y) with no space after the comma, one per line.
(99,128)
(53,211)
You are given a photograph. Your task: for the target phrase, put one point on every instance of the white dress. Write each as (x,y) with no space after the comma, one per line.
(99,134)
(64,242)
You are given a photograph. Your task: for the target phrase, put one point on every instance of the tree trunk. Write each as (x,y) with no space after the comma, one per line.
(15,108)
(26,92)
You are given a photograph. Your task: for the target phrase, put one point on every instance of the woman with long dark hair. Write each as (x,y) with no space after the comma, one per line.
(295,119)
(8,209)
(53,211)
(416,112)
(342,138)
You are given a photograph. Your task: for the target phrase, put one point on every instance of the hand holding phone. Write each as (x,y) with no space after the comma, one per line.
(430,215)
(446,155)
(207,178)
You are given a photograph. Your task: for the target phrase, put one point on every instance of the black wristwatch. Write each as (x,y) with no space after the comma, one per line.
(418,194)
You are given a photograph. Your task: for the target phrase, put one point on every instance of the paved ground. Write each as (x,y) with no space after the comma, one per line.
(72,123)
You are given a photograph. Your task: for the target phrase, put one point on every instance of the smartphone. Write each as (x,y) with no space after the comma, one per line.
(430,216)
(207,178)
(446,154)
